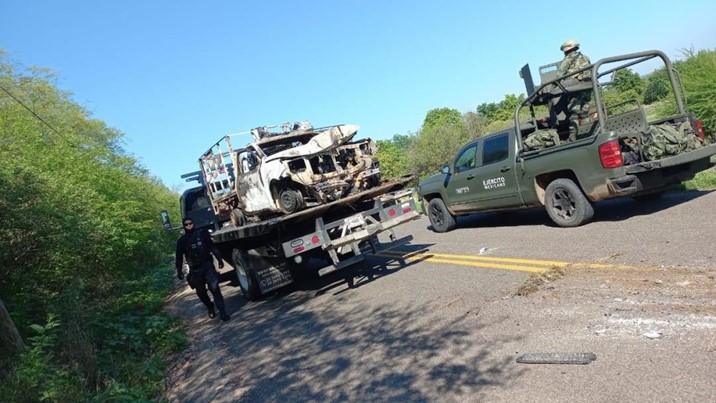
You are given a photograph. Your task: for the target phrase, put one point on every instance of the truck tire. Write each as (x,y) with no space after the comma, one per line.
(566,204)
(440,218)
(290,200)
(245,274)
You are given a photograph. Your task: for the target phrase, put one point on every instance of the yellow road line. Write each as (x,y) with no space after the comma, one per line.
(479,258)
(491,262)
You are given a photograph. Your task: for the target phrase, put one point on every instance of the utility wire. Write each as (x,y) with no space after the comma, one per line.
(34,114)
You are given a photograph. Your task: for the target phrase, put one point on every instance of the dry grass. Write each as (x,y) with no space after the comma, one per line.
(535,280)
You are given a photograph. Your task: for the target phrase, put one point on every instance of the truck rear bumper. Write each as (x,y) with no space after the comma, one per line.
(654,176)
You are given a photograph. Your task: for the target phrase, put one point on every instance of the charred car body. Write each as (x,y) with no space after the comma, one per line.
(285,170)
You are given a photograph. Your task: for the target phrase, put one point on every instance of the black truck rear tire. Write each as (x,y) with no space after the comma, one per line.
(440,218)
(245,274)
(566,205)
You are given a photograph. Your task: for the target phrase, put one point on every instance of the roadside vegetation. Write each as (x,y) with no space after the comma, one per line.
(81,253)
(445,130)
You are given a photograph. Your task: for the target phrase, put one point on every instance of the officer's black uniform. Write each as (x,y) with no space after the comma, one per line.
(197,247)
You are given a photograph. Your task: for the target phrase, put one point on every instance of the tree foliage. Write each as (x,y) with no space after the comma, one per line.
(80,221)
(626,80)
(657,86)
(443,133)
(697,74)
(392,155)
(501,111)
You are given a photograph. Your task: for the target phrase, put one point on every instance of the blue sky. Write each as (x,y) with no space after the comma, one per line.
(175,76)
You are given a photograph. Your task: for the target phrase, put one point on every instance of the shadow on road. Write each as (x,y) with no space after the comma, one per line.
(323,340)
(283,348)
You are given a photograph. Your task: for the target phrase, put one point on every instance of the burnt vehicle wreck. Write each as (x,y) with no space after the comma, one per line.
(287,168)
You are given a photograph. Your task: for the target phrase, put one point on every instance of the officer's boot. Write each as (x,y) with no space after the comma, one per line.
(223,315)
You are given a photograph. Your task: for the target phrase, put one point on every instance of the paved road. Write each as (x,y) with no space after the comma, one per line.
(442,321)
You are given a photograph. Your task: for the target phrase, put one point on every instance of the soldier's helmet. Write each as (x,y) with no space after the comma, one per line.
(568,45)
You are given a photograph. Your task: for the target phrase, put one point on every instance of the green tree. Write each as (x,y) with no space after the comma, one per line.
(502,111)
(392,155)
(626,80)
(698,76)
(442,134)
(657,86)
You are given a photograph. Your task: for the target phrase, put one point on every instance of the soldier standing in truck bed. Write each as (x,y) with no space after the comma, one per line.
(577,104)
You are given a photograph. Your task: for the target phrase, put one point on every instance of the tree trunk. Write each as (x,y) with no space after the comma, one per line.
(10,340)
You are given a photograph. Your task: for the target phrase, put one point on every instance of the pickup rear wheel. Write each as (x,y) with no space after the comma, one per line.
(245,274)
(566,204)
(440,218)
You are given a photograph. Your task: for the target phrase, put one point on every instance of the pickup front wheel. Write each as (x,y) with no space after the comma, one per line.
(440,217)
(566,204)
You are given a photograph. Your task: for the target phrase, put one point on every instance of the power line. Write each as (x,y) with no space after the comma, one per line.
(34,114)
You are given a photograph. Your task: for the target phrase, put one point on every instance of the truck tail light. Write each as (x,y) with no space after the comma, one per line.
(610,154)
(699,129)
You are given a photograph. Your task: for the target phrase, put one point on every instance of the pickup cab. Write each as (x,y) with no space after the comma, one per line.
(612,154)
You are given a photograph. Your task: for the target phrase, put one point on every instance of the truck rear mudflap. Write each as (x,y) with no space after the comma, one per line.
(347,240)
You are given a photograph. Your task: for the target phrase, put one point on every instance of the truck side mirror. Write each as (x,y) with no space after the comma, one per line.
(445,169)
(166,221)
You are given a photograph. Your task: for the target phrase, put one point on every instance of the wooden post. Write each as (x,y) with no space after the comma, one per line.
(10,341)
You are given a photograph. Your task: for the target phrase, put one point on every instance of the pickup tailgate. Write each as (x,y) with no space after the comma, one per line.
(683,158)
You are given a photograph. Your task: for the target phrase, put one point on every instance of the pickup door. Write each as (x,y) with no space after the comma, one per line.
(484,176)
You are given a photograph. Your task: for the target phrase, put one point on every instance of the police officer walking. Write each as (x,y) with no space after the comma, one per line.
(197,247)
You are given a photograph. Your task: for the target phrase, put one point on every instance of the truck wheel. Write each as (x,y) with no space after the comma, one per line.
(245,274)
(440,217)
(290,200)
(566,204)
(237,217)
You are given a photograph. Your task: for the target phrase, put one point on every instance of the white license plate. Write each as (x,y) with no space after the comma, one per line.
(355,221)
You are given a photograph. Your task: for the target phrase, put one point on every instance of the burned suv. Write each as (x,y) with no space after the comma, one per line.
(284,171)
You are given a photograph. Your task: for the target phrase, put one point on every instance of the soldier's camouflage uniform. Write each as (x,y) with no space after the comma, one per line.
(577,107)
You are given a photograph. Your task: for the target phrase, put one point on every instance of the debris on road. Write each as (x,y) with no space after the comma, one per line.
(652,334)
(557,358)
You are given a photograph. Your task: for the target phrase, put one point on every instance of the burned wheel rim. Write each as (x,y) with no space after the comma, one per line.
(563,204)
(237,217)
(290,200)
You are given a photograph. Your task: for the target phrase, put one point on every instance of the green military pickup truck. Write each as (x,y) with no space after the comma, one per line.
(563,164)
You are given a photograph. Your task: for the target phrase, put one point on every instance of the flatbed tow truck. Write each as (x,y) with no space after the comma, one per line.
(270,245)
(268,254)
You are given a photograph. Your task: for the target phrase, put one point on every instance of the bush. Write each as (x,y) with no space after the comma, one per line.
(80,232)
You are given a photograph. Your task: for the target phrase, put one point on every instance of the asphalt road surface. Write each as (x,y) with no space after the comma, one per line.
(446,317)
